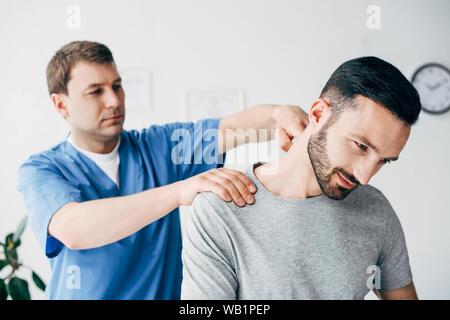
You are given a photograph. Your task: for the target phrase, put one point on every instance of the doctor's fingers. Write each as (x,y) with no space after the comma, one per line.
(284,139)
(244,185)
(235,183)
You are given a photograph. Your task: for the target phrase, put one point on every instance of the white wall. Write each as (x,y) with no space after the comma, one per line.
(278,51)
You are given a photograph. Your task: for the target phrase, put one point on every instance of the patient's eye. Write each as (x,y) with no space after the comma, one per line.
(386,161)
(361,146)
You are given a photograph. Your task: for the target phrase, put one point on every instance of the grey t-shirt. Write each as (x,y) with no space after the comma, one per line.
(278,248)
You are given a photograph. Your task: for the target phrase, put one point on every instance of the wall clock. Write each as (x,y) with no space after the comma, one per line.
(432,81)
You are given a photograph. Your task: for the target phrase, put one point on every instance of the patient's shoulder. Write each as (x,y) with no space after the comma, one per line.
(369,193)
(209,217)
(212,212)
(372,199)
(210,201)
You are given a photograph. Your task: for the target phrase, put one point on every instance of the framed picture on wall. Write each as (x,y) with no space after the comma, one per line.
(137,84)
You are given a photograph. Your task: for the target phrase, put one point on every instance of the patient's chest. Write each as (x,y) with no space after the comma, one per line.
(312,255)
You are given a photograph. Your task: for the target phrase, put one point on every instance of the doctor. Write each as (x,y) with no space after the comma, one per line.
(103,204)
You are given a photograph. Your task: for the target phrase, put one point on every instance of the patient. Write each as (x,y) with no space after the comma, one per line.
(316,230)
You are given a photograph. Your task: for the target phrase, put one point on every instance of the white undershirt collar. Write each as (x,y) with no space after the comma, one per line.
(108,162)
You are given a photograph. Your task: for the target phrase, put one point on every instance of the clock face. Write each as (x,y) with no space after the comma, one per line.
(432,81)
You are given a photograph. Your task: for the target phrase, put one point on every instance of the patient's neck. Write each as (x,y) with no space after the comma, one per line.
(292,175)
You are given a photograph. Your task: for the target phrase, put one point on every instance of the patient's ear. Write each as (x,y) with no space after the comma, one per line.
(60,103)
(319,114)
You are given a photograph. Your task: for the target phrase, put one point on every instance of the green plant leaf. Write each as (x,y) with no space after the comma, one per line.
(20,229)
(6,252)
(38,281)
(18,289)
(9,243)
(3,263)
(10,249)
(8,240)
(3,291)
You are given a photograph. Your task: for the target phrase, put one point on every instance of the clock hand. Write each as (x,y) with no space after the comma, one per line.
(434,87)
(438,85)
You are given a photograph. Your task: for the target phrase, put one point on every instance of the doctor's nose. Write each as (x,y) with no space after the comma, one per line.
(112,99)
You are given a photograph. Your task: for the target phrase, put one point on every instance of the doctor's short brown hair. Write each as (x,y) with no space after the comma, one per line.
(60,65)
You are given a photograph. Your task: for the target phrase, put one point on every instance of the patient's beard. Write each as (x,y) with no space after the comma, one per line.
(317,151)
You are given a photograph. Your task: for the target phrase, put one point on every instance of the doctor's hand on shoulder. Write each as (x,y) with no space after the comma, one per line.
(226,183)
(233,185)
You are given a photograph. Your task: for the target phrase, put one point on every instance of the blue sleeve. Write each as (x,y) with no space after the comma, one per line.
(187,148)
(45,191)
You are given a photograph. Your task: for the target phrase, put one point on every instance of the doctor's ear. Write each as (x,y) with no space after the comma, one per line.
(319,113)
(60,104)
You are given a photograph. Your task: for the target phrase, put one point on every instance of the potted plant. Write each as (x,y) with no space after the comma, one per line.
(11,285)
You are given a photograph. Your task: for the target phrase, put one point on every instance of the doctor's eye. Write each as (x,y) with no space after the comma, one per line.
(361,146)
(98,91)
(117,87)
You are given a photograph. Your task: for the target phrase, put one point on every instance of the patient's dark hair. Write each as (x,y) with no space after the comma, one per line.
(375,79)
(60,65)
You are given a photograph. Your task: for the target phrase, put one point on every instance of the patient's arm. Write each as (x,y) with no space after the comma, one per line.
(207,270)
(407,292)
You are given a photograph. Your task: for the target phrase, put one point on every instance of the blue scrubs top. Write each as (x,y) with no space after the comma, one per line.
(145,265)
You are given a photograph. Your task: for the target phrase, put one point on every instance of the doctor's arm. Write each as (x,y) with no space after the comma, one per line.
(259,123)
(95,223)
